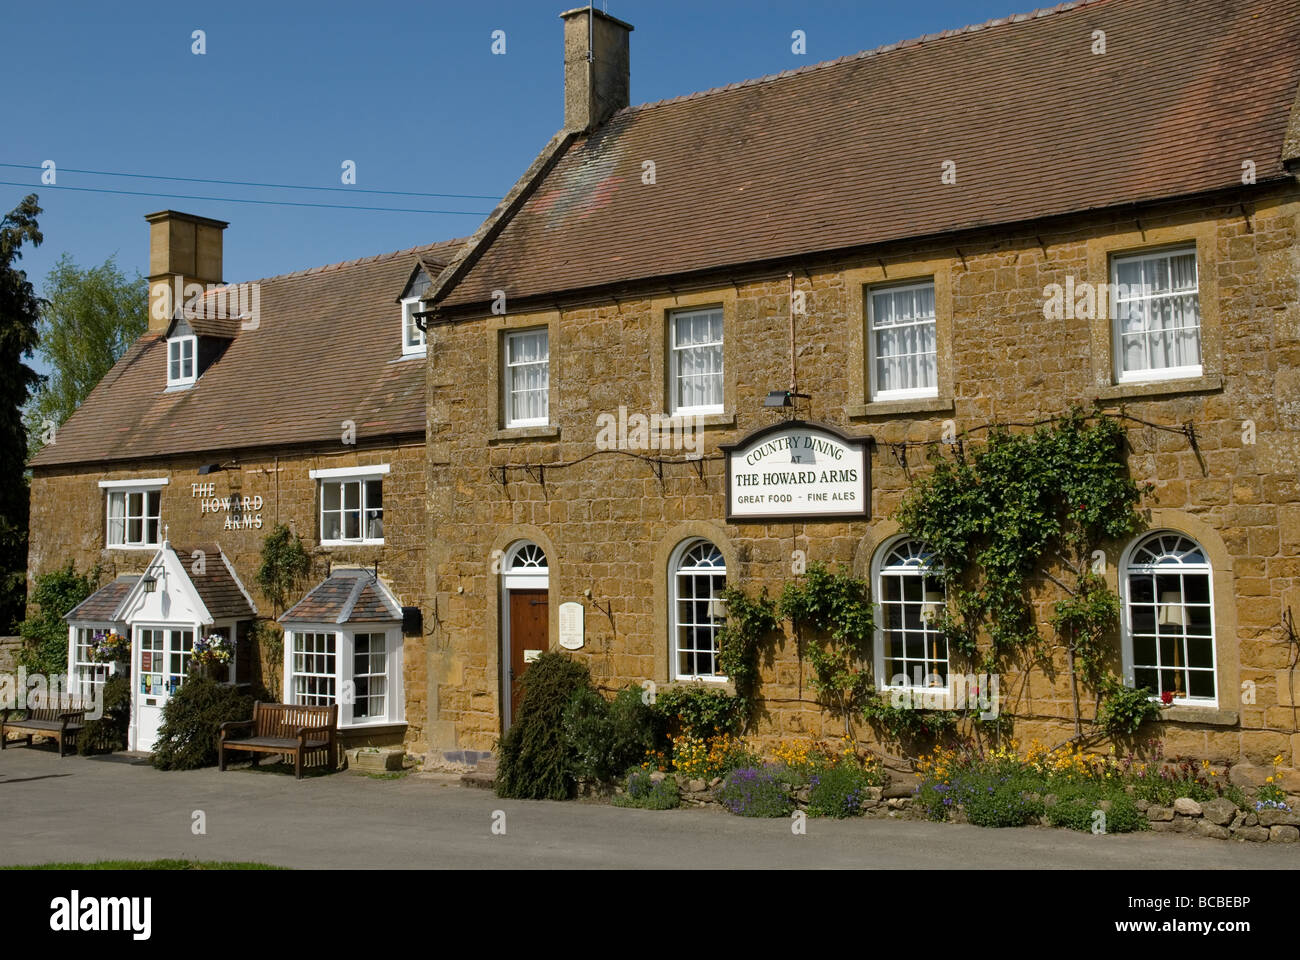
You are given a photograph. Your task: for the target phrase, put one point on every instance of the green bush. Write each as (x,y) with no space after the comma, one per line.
(641,791)
(1124,710)
(756,792)
(534,759)
(606,738)
(187,738)
(838,791)
(108,732)
(46,633)
(1077,809)
(999,804)
(700,711)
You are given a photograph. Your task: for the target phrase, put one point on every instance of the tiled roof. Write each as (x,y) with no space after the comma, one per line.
(218,586)
(850,153)
(346,596)
(103,606)
(327,348)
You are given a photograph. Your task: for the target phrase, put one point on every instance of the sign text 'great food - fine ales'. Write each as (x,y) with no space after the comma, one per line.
(798,471)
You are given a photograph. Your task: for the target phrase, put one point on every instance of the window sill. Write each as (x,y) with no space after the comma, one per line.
(411,355)
(383,726)
(352,543)
(719,684)
(548,431)
(1211,716)
(883,408)
(1160,388)
(129,546)
(676,421)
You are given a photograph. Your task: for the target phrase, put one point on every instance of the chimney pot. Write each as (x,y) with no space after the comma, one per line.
(597,67)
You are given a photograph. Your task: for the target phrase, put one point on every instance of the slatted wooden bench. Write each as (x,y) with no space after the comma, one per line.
(53,722)
(284,728)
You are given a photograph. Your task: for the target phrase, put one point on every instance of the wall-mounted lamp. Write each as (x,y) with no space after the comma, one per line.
(149,583)
(783,398)
(209,468)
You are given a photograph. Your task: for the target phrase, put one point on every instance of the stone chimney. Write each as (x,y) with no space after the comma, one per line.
(597,67)
(184,248)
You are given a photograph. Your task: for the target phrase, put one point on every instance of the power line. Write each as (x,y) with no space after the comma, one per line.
(277,203)
(253,183)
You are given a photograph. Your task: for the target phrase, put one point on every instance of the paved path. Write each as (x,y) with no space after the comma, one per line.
(83,809)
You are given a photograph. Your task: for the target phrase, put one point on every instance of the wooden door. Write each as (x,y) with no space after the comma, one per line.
(529,627)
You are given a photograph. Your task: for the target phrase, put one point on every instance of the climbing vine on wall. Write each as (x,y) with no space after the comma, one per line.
(1011,512)
(833,621)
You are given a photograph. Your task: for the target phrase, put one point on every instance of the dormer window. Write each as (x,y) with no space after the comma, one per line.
(181,361)
(413,337)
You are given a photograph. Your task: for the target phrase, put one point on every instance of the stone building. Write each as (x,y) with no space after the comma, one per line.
(294,400)
(879,237)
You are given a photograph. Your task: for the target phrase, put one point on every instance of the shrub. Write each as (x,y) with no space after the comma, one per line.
(1078,807)
(108,732)
(641,791)
(755,792)
(701,711)
(46,633)
(187,738)
(1124,710)
(605,738)
(1001,803)
(838,791)
(535,762)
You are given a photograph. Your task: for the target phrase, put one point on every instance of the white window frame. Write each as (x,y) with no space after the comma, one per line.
(86,674)
(1129,567)
(180,343)
(507,378)
(881,568)
(343,475)
(410,306)
(1117,334)
(675,362)
(125,489)
(716,614)
(873,354)
(342,673)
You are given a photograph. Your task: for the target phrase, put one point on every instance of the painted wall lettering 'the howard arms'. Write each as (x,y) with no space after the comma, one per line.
(827,266)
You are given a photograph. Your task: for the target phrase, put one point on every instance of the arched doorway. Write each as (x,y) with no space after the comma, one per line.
(525,619)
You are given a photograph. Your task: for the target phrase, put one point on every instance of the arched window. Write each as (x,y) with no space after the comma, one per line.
(526,557)
(697,576)
(1169,619)
(913,651)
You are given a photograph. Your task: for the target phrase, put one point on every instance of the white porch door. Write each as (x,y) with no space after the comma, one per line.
(162,661)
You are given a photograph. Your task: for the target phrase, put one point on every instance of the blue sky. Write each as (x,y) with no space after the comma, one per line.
(410,91)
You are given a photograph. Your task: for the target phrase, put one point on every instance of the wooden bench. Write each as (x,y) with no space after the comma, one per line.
(53,722)
(285,728)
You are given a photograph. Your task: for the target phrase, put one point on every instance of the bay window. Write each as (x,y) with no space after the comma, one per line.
(358,668)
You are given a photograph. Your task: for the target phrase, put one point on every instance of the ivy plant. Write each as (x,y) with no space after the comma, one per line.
(833,621)
(285,565)
(1012,511)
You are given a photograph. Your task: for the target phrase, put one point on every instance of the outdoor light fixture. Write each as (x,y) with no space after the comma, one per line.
(209,468)
(783,398)
(149,583)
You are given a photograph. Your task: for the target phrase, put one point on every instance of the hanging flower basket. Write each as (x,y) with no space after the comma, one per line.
(213,654)
(110,647)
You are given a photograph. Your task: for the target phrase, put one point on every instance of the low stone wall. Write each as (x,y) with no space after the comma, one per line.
(9,647)
(1218,819)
